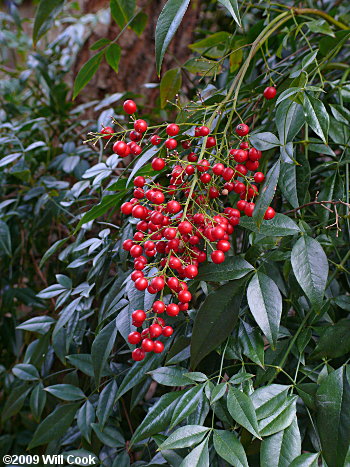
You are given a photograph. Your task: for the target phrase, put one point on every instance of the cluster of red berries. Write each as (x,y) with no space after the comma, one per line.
(181,221)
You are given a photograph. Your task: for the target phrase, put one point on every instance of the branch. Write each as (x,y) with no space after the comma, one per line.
(322,203)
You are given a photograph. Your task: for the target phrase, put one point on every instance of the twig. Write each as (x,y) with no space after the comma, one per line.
(322,203)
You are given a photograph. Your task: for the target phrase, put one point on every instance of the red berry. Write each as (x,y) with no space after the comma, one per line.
(186,144)
(155,140)
(158,347)
(121,148)
(203,131)
(249,209)
(240,155)
(270,92)
(252,165)
(139,316)
(126,208)
(185,227)
(147,345)
(155,330)
(218,168)
(242,129)
(192,157)
(218,256)
(138,355)
(134,337)
(136,275)
(173,207)
(223,245)
(158,283)
(241,204)
(136,250)
(254,154)
(213,192)
(171,143)
(168,331)
(107,131)
(158,306)
(140,126)
(270,213)
(141,283)
(172,129)
(191,271)
(173,283)
(158,163)
(140,181)
(135,135)
(205,178)
(218,233)
(211,142)
(172,309)
(259,177)
(129,107)
(185,296)
(190,170)
(244,145)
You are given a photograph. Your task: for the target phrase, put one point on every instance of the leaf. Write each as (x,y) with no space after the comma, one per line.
(215,319)
(186,405)
(333,417)
(107,202)
(158,417)
(170,85)
(139,23)
(10,158)
(334,342)
(229,448)
(310,267)
(185,437)
(268,399)
(316,116)
(280,419)
(167,25)
(86,73)
(100,43)
(320,26)
(106,402)
(289,120)
(37,401)
(203,66)
(267,192)
(287,93)
(280,449)
(265,303)
(252,343)
(113,54)
(15,401)
(233,267)
(44,17)
(170,376)
(122,11)
(109,436)
(232,7)
(53,248)
(54,426)
(5,238)
(279,226)
(288,184)
(264,141)
(218,392)
(85,418)
(101,348)
(199,457)
(66,392)
(145,157)
(242,410)
(26,372)
(306,460)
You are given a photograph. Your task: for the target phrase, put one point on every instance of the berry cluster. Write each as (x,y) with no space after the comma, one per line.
(182,222)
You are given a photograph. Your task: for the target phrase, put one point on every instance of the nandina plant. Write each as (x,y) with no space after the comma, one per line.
(203,315)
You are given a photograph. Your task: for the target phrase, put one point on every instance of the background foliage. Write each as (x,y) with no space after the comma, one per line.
(257,372)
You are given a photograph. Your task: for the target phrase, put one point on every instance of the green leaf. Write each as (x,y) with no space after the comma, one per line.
(289,120)
(310,267)
(145,157)
(101,348)
(107,202)
(158,417)
(54,426)
(229,448)
(100,43)
(167,25)
(232,7)
(122,11)
(264,141)
(252,343)
(66,392)
(170,85)
(334,342)
(242,410)
(280,449)
(109,436)
(316,116)
(37,401)
(85,418)
(86,73)
(268,399)
(320,26)
(280,419)
(139,23)
(266,193)
(233,267)
(265,303)
(53,248)
(5,238)
(44,17)
(279,226)
(15,401)
(287,93)
(218,392)
(113,54)
(106,402)
(288,184)
(186,405)
(215,319)
(333,417)
(203,66)
(26,372)
(306,460)
(170,376)
(199,457)
(185,437)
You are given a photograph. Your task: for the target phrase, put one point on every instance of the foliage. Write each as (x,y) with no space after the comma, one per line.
(275,391)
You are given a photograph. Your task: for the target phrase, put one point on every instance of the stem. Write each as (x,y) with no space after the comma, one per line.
(314,11)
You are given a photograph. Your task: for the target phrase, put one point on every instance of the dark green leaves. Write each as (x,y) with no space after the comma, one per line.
(215,319)
(229,448)
(267,192)
(44,17)
(184,437)
(265,303)
(279,226)
(186,405)
(5,238)
(242,410)
(333,417)
(113,54)
(317,116)
(169,85)
(26,372)
(232,6)
(280,449)
(101,348)
(86,73)
(54,426)
(198,457)
(310,267)
(264,141)
(170,376)
(66,392)
(168,22)
(334,342)
(233,267)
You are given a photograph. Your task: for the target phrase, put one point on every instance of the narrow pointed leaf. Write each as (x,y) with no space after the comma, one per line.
(169,86)
(101,348)
(280,449)
(306,460)
(86,73)
(242,410)
(185,437)
(232,6)
(228,446)
(199,457)
(44,17)
(186,405)
(317,116)
(267,192)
